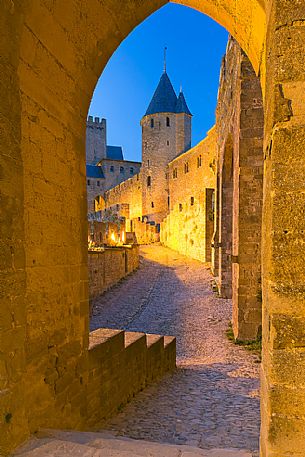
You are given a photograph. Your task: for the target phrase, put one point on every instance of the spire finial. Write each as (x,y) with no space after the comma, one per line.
(180,88)
(164,67)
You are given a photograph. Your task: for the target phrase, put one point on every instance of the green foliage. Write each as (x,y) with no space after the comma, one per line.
(254,346)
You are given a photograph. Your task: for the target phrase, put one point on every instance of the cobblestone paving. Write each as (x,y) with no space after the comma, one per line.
(211,401)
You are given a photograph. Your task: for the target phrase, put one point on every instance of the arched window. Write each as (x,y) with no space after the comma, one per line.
(122,170)
(186,167)
(88,182)
(112,168)
(199,161)
(192,201)
(168,122)
(131,170)
(175,173)
(152,204)
(152,123)
(148,181)
(167,143)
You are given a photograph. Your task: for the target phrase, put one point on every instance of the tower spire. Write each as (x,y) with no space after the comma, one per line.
(164,64)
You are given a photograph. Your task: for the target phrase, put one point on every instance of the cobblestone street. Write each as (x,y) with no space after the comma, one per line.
(212,400)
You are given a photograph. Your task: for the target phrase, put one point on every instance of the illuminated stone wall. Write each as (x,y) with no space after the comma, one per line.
(240,126)
(188,228)
(109,266)
(129,193)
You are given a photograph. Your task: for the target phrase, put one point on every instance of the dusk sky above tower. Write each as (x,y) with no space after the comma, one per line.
(195,47)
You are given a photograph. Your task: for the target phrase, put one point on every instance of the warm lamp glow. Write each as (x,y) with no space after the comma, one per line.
(112,237)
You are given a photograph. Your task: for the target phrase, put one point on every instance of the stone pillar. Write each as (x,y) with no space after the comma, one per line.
(215,237)
(13,420)
(225,210)
(247,206)
(283,368)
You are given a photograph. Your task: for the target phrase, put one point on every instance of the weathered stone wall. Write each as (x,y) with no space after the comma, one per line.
(283,279)
(188,226)
(120,365)
(240,123)
(108,267)
(158,148)
(95,140)
(122,170)
(96,187)
(129,192)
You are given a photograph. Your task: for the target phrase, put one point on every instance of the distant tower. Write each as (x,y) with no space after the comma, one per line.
(95,140)
(183,125)
(166,133)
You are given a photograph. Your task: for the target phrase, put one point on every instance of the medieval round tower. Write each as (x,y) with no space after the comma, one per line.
(166,133)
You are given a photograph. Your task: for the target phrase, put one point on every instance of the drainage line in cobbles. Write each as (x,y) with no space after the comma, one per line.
(146,301)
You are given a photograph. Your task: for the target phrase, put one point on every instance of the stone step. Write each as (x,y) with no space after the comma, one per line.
(88,444)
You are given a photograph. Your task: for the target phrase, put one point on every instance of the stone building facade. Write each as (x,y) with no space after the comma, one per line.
(239,194)
(152,195)
(188,227)
(106,166)
(166,133)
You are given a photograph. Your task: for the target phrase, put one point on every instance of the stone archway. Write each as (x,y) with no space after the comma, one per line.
(52,54)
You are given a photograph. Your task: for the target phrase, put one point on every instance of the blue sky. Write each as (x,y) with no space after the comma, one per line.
(195,47)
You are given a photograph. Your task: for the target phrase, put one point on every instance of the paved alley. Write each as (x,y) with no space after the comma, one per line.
(212,400)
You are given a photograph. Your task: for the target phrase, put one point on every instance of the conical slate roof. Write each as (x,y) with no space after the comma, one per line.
(164,99)
(181,106)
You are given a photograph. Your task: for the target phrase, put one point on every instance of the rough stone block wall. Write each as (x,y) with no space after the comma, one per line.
(96,141)
(115,177)
(128,192)
(186,229)
(120,365)
(95,188)
(240,124)
(108,267)
(158,148)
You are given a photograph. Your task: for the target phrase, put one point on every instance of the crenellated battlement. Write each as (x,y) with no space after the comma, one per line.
(96,120)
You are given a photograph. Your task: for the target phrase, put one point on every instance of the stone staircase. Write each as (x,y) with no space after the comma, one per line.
(88,444)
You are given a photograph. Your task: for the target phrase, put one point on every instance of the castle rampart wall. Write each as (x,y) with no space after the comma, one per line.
(189,225)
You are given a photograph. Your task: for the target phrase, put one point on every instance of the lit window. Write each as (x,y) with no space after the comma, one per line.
(167,122)
(88,182)
(148,181)
(122,170)
(152,123)
(192,201)
(112,168)
(131,170)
